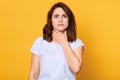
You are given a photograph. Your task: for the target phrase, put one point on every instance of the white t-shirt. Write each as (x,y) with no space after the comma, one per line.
(53,64)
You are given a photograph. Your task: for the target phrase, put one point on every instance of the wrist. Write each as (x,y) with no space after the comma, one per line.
(65,44)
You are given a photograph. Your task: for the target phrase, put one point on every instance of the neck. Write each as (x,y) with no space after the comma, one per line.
(60,31)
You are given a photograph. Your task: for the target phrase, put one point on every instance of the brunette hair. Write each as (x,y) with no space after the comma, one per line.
(48,28)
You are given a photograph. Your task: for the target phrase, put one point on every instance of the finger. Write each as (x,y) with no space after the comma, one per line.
(65,32)
(56,31)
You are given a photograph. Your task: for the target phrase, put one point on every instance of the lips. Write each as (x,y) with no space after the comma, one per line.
(60,24)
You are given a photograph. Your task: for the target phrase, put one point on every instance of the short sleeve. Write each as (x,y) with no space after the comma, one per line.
(76,44)
(36,47)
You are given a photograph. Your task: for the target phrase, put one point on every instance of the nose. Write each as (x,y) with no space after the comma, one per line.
(60,19)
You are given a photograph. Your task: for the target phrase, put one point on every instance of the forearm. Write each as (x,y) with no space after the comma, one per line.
(35,67)
(73,61)
(33,76)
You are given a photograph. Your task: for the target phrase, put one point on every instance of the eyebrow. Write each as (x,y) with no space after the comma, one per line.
(58,14)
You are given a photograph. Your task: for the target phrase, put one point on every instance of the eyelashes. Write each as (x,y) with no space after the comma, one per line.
(65,16)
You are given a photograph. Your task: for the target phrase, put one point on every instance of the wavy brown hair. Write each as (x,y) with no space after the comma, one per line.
(48,28)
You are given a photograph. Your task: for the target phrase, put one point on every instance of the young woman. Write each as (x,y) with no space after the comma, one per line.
(57,55)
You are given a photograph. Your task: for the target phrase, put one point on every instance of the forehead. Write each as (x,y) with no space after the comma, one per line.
(59,10)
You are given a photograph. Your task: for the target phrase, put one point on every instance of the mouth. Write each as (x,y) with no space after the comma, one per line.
(60,24)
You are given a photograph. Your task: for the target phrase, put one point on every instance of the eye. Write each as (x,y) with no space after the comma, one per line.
(65,16)
(55,16)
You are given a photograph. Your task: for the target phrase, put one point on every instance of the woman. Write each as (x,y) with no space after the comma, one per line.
(58,54)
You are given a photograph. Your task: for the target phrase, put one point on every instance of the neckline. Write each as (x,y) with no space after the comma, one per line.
(52,43)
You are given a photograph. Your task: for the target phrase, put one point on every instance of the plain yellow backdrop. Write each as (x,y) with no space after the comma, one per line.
(98,26)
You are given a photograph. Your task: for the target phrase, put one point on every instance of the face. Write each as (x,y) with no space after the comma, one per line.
(59,20)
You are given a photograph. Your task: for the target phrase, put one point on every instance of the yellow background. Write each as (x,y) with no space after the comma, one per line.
(98,26)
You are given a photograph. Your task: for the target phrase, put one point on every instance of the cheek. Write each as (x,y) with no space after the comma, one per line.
(54,23)
(67,23)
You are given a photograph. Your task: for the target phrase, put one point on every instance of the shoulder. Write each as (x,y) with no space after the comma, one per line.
(39,39)
(77,43)
(36,47)
(80,42)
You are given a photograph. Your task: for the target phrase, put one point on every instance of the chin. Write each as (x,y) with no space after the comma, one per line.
(61,30)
